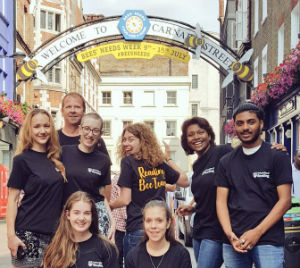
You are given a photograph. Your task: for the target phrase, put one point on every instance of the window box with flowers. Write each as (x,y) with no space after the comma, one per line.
(12,111)
(285,76)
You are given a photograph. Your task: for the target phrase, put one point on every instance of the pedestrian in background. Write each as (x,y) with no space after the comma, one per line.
(144,174)
(119,215)
(159,247)
(36,170)
(253,193)
(88,170)
(77,242)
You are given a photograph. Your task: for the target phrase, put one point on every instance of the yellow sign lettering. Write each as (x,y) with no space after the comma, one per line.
(141,50)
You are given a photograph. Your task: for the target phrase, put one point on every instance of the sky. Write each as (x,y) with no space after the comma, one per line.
(204,12)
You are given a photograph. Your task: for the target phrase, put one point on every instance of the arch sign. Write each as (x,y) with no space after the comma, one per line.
(161,36)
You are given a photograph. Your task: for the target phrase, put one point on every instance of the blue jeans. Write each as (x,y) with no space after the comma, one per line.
(208,253)
(131,239)
(263,256)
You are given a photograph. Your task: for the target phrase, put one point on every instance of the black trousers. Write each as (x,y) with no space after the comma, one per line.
(119,243)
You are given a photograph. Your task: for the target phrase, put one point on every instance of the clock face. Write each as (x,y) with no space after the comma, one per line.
(134,24)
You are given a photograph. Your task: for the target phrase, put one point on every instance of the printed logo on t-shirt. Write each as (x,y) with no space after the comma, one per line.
(151,179)
(94,171)
(261,174)
(95,264)
(208,171)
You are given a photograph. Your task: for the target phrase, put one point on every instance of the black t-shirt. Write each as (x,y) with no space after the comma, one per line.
(177,256)
(66,140)
(146,184)
(86,172)
(252,181)
(43,186)
(206,224)
(97,253)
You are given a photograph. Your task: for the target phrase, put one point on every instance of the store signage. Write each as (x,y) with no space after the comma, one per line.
(288,107)
(134,25)
(140,50)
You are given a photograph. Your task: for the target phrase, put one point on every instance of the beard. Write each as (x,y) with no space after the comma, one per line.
(256,134)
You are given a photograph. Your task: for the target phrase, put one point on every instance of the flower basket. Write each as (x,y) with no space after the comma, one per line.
(12,110)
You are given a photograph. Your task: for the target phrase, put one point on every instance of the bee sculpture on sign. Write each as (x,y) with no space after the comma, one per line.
(238,68)
(28,69)
(242,71)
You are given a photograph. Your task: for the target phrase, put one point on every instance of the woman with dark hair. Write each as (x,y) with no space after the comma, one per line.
(77,241)
(198,137)
(38,171)
(159,247)
(145,171)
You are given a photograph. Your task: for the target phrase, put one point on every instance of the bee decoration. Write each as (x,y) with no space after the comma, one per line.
(196,42)
(242,71)
(28,69)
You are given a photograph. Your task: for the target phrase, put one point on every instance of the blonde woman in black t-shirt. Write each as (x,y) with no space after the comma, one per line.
(37,171)
(144,173)
(159,247)
(77,242)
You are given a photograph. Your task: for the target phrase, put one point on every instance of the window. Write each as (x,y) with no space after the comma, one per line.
(170,128)
(106,97)
(150,124)
(148,98)
(195,81)
(106,129)
(295,23)
(256,9)
(280,44)
(43,19)
(264,62)
(127,97)
(194,109)
(171,97)
(264,10)
(54,74)
(127,123)
(50,21)
(54,117)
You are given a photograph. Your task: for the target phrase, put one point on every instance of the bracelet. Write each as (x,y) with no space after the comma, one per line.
(167,160)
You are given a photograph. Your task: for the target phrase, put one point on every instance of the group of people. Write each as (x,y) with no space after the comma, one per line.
(65,217)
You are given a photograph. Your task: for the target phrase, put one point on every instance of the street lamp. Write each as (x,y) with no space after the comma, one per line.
(17,55)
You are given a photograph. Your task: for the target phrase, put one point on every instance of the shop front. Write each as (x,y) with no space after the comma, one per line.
(283,121)
(7,147)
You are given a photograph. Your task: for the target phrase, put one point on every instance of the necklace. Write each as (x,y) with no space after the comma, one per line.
(159,261)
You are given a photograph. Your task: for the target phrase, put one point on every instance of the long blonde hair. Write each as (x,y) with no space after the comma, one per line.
(53,149)
(150,149)
(62,250)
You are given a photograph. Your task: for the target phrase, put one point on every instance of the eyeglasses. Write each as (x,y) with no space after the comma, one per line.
(86,130)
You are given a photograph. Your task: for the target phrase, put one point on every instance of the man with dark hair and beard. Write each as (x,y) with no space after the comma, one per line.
(253,193)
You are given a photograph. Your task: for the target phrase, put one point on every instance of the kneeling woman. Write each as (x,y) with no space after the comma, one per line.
(76,242)
(159,247)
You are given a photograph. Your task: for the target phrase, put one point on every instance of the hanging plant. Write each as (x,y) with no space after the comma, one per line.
(12,110)
(276,84)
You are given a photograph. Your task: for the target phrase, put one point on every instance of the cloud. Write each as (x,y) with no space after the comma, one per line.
(190,11)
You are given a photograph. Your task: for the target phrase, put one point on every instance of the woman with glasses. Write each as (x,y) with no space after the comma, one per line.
(88,170)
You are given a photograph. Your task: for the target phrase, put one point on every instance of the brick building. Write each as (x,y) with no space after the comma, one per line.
(272,29)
